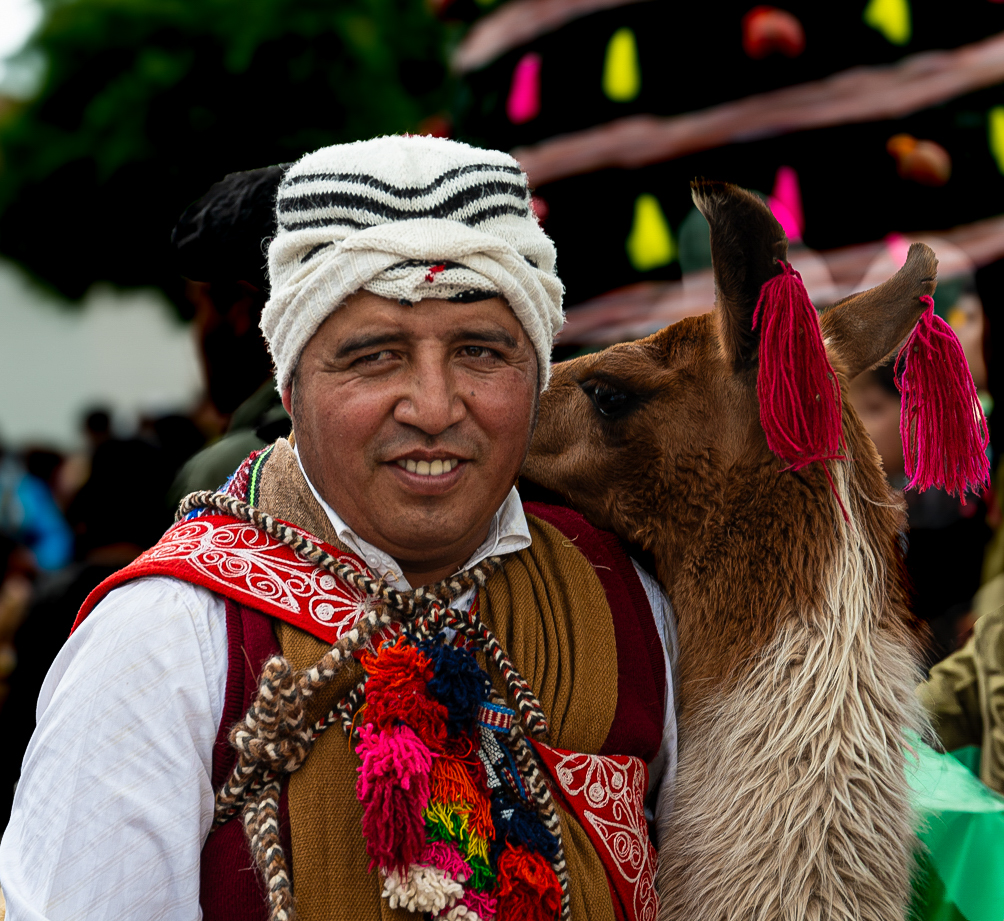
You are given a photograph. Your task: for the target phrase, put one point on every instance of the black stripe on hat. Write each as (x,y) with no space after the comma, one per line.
(356,202)
(471,220)
(404,192)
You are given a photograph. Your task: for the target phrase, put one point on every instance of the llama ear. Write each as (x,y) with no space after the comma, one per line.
(867,327)
(746,244)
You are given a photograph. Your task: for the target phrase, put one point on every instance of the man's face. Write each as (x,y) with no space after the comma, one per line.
(413,422)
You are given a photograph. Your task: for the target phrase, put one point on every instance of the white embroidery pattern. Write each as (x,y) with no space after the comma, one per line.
(615,791)
(238,554)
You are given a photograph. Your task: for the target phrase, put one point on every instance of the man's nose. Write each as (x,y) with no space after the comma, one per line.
(433,401)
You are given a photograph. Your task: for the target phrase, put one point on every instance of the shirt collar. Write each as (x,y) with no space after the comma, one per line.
(508,533)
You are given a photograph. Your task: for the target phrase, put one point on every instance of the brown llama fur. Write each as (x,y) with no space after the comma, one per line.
(797,652)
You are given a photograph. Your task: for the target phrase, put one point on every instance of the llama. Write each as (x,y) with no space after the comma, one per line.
(798,656)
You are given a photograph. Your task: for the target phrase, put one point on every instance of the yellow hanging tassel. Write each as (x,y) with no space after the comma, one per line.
(891,18)
(650,242)
(995,135)
(621,70)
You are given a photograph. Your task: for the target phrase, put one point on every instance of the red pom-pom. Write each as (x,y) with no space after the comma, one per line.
(396,692)
(528,888)
(941,423)
(393,787)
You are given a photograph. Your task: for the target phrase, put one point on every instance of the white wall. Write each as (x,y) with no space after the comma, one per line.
(124,350)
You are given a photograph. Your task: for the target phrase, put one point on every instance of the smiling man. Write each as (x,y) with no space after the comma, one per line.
(378,574)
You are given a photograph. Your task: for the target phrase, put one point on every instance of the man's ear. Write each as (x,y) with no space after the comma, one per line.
(287,401)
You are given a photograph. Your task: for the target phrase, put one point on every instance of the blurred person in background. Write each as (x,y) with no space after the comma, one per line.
(219,244)
(30,516)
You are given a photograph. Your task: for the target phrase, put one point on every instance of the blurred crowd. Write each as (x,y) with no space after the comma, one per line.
(67,521)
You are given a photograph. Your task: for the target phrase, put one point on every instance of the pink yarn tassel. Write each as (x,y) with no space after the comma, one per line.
(798,391)
(446,857)
(480,902)
(799,396)
(393,787)
(941,423)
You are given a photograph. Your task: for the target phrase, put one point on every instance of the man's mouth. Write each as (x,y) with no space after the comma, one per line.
(428,468)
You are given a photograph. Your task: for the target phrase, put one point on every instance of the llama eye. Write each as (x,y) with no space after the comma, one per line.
(608,400)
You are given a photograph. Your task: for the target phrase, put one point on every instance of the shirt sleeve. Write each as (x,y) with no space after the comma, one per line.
(662,770)
(115,799)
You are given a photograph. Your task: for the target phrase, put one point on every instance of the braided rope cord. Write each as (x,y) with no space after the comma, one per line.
(274,737)
(540,791)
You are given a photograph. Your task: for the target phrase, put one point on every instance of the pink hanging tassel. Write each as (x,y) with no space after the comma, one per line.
(799,395)
(393,787)
(798,391)
(941,423)
(523,103)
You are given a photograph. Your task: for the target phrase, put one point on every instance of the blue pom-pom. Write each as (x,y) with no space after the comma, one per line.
(520,826)
(458,683)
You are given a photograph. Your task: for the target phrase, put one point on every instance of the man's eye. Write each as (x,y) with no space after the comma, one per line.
(375,356)
(476,351)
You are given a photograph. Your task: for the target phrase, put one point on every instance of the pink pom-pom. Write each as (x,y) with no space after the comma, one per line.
(446,857)
(485,905)
(941,423)
(393,786)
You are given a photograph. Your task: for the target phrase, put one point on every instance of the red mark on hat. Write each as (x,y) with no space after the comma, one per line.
(434,270)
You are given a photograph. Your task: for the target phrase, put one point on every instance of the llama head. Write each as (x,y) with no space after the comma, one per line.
(660,440)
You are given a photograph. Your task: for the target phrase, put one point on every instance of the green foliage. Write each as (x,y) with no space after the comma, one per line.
(145,103)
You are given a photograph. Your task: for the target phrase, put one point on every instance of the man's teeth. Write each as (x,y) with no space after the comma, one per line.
(429,468)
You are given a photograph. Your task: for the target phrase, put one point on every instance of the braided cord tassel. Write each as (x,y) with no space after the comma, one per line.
(274,735)
(261,825)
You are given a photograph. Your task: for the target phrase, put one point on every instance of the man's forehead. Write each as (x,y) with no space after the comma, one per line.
(369,314)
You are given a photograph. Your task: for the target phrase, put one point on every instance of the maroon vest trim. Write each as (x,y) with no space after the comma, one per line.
(641,665)
(232,887)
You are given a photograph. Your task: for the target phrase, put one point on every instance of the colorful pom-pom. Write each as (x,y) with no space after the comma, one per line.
(474,906)
(421,889)
(446,857)
(528,888)
(517,826)
(397,692)
(458,683)
(393,786)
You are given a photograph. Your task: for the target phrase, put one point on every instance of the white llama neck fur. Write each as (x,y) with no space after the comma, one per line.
(791,799)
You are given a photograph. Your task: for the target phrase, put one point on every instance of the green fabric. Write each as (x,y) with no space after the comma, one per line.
(961,828)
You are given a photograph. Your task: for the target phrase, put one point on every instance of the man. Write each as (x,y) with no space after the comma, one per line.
(413,306)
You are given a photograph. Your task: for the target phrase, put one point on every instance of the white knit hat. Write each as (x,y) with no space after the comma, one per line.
(407,218)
